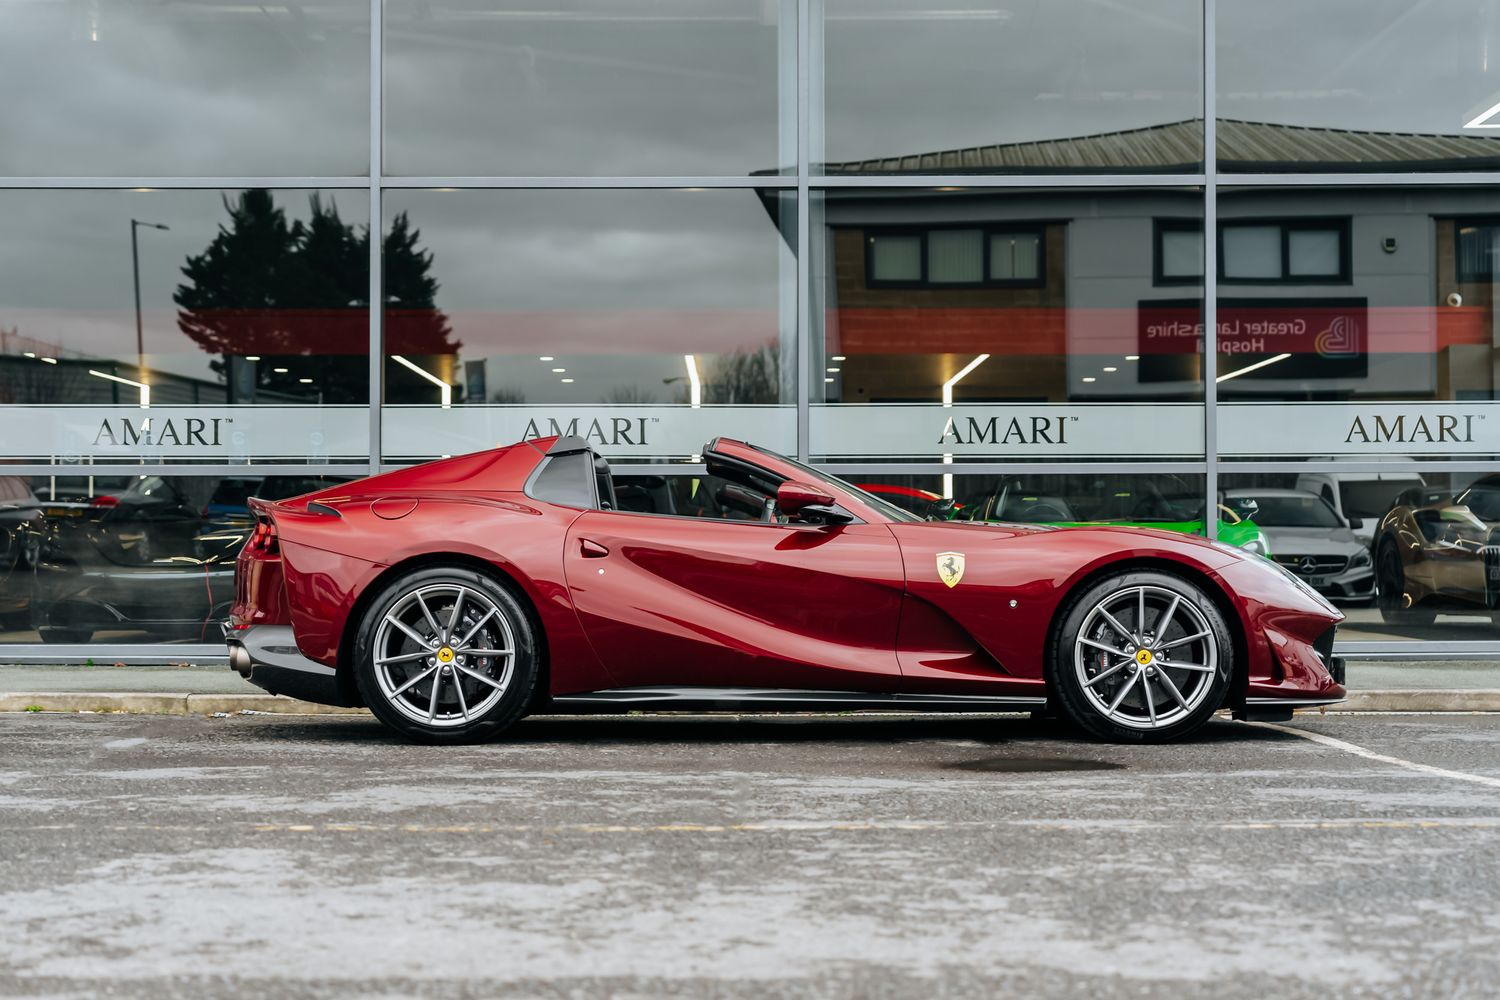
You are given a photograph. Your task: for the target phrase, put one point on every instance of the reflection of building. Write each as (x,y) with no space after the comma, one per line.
(1095,293)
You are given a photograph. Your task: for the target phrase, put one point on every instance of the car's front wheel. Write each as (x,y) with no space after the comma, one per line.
(1391,598)
(446,655)
(1141,656)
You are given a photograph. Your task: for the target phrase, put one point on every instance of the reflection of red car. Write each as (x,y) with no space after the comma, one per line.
(908,498)
(454,597)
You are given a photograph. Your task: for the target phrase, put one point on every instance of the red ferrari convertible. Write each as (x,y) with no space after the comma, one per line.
(455,597)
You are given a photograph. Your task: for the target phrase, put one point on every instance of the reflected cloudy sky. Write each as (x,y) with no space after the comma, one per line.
(608,271)
(119,89)
(623,87)
(672,88)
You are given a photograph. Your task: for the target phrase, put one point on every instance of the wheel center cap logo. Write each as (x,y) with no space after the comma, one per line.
(1143,657)
(445,655)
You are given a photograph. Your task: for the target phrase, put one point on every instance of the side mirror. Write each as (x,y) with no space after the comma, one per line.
(1355,523)
(793,497)
(942,510)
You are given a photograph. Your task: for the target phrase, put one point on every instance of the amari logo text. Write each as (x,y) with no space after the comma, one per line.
(1405,428)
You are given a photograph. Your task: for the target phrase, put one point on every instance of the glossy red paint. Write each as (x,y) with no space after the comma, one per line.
(627,600)
(701,602)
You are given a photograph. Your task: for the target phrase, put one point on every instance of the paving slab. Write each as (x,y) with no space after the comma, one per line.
(159,857)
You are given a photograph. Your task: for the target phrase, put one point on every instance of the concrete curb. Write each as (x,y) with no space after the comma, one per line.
(1421,700)
(1416,700)
(163,703)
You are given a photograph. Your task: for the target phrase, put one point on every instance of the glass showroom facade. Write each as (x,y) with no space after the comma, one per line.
(1222,266)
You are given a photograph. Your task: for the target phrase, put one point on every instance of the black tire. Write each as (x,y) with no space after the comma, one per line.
(1390,590)
(388,688)
(1082,675)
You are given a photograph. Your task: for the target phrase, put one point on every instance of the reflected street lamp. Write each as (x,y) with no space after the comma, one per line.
(135,270)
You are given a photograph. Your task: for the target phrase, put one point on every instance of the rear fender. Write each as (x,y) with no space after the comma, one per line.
(336,563)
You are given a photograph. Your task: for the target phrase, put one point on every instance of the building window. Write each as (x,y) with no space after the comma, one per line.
(1478,251)
(895,259)
(1008,257)
(1016,256)
(1258,252)
(1179,251)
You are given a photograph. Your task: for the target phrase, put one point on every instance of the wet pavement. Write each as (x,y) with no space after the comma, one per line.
(860,856)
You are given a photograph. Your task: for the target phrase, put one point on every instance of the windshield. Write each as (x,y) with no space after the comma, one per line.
(1369,499)
(1293,512)
(1484,501)
(886,508)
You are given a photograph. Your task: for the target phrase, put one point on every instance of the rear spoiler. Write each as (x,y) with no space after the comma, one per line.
(265,508)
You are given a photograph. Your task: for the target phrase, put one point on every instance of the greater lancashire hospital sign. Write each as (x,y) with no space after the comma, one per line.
(919,431)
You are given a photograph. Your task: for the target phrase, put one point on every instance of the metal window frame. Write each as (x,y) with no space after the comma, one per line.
(805,184)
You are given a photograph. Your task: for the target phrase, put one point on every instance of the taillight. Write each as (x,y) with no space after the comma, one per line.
(263,540)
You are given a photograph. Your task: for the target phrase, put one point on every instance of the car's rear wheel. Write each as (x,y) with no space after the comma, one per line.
(1390,591)
(446,655)
(1141,656)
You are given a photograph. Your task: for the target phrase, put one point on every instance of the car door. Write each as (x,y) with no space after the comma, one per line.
(707,602)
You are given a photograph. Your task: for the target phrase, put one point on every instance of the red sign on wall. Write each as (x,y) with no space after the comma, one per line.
(1321,338)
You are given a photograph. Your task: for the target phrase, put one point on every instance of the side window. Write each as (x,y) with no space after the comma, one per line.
(566,480)
(604,485)
(690,496)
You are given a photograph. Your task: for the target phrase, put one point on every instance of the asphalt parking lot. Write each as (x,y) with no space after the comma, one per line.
(155,856)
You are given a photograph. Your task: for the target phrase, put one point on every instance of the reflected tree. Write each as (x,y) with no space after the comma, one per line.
(744,377)
(296,294)
(629,395)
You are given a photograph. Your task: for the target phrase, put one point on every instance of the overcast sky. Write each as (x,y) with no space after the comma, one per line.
(682,88)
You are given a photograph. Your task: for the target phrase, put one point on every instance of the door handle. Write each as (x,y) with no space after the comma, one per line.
(592,549)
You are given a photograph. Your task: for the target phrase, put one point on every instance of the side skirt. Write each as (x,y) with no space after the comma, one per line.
(712,699)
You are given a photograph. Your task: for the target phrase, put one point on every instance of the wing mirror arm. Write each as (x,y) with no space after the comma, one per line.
(796,499)
(827,515)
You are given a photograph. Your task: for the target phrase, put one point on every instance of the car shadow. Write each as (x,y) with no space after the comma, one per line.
(657,729)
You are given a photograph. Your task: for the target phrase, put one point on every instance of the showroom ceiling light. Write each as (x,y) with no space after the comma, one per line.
(50,361)
(695,384)
(1089,378)
(1250,368)
(1110,368)
(305,381)
(546,357)
(252,357)
(280,371)
(966,369)
(833,370)
(1132,357)
(838,357)
(948,401)
(145,389)
(566,381)
(445,391)
(558,371)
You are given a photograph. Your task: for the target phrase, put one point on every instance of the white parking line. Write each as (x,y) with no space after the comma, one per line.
(1358,751)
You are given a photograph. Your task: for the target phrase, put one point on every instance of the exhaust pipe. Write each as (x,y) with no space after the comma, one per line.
(239,661)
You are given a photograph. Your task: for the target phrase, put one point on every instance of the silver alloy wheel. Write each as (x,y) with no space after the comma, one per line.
(1146,657)
(444,655)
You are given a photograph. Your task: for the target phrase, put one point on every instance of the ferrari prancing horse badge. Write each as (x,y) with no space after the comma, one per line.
(950,567)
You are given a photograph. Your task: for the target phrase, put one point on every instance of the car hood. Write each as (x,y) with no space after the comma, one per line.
(1313,541)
